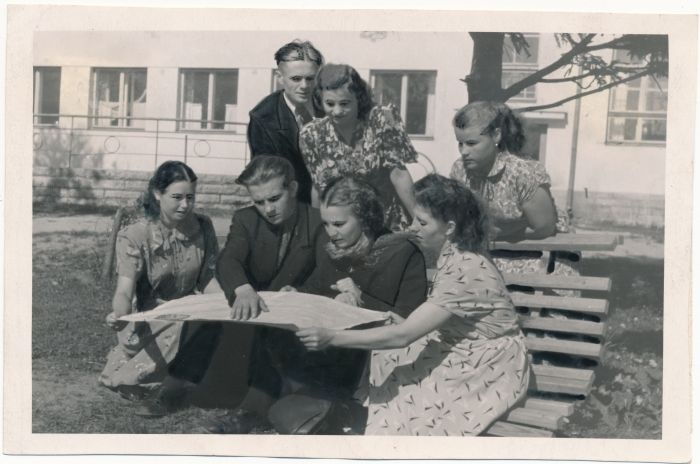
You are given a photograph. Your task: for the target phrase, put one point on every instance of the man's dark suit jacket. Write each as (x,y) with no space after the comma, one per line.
(250,253)
(273,130)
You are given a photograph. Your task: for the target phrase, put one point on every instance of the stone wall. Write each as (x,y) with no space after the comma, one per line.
(119,188)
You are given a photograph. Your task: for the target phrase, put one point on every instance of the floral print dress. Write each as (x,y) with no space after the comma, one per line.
(165,264)
(382,144)
(460,378)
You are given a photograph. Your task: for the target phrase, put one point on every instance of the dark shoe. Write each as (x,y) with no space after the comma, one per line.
(236,422)
(171,396)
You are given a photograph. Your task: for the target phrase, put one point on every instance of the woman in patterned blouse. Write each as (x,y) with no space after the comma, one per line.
(168,254)
(458,362)
(359,138)
(514,187)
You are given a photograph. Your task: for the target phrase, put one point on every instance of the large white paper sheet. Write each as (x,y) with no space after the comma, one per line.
(287,310)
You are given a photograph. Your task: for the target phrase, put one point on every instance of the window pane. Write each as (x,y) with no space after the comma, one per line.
(632,100)
(387,89)
(136,102)
(510,77)
(654,130)
(225,97)
(420,88)
(630,128)
(49,82)
(195,98)
(656,101)
(616,130)
(529,56)
(107,95)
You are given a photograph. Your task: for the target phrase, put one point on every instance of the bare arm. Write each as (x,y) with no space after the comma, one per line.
(121,302)
(541,217)
(403,184)
(422,321)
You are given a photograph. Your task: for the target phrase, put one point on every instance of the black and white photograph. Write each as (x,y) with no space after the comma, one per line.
(243,225)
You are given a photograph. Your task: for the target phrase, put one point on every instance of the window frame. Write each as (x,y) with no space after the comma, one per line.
(514,66)
(38,93)
(124,121)
(647,84)
(430,106)
(211,85)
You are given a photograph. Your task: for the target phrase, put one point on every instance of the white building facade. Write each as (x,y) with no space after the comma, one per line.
(130,100)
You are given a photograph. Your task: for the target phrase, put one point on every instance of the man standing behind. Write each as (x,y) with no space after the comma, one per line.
(275,121)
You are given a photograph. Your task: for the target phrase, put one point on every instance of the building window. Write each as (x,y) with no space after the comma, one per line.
(47,95)
(412,92)
(637,109)
(119,97)
(208,99)
(517,65)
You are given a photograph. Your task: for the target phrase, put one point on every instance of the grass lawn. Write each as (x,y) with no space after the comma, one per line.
(70,342)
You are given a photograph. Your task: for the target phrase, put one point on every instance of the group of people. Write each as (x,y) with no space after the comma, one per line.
(336,213)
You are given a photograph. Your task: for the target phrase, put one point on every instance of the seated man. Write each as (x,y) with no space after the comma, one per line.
(270,245)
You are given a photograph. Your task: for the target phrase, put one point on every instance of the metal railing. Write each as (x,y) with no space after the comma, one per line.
(75,136)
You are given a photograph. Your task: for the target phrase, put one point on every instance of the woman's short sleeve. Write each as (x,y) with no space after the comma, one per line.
(531,177)
(129,251)
(211,252)
(467,287)
(308,148)
(394,147)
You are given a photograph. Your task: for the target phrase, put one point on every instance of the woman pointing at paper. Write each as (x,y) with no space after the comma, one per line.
(459,361)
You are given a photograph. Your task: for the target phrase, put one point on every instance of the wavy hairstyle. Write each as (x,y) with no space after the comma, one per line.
(166,174)
(263,168)
(363,200)
(298,50)
(449,200)
(493,116)
(334,76)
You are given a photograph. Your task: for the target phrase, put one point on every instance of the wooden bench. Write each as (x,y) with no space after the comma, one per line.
(564,351)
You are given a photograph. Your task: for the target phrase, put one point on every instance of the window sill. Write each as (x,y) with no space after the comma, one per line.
(634,143)
(209,131)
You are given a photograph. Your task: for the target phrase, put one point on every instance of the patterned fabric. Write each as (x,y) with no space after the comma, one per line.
(462,377)
(511,182)
(165,264)
(381,144)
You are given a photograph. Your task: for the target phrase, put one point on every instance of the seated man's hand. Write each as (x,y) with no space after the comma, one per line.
(347,298)
(247,304)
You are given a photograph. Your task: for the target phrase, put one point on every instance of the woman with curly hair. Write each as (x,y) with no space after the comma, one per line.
(357,137)
(361,263)
(458,362)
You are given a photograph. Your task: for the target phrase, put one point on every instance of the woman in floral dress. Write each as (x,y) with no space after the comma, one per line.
(458,362)
(515,188)
(168,254)
(357,137)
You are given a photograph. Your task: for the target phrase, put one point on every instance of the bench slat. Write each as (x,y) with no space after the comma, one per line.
(576,348)
(552,379)
(563,372)
(596,329)
(557,281)
(535,417)
(564,242)
(563,408)
(566,303)
(505,429)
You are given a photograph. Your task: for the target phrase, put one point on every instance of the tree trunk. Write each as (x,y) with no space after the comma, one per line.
(484,81)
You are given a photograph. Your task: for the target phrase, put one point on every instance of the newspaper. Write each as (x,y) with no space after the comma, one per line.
(287,310)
